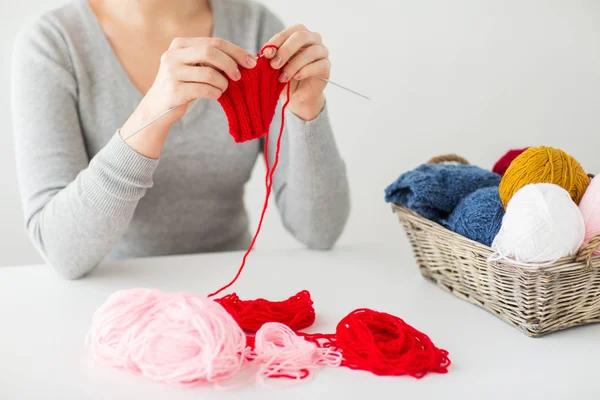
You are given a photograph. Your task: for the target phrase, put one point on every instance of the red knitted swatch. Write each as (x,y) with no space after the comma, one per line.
(250,102)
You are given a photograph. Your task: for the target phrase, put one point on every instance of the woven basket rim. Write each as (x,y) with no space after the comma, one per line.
(486,251)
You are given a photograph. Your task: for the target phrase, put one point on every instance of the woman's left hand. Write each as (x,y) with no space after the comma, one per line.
(302,58)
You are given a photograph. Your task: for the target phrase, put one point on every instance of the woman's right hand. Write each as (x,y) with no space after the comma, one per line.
(191,69)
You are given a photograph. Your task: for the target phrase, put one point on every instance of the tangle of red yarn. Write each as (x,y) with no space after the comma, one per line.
(297,312)
(368,340)
(250,112)
(384,345)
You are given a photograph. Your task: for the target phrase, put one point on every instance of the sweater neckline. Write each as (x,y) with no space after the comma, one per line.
(135,96)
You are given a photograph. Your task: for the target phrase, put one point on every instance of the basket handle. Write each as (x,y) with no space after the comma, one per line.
(587,252)
(448,158)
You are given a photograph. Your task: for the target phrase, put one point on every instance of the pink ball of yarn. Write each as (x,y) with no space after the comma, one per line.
(282,353)
(590,209)
(174,338)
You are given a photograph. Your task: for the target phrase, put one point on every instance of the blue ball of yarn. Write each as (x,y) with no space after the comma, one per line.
(434,190)
(478,216)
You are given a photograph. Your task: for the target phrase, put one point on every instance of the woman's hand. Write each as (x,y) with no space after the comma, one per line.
(191,69)
(303,59)
(195,68)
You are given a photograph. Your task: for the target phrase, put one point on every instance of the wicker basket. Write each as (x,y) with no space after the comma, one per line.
(535,300)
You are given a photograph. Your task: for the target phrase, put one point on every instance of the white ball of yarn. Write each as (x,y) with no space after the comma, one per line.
(542,224)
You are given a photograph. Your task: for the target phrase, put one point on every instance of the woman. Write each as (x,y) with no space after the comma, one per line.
(93,72)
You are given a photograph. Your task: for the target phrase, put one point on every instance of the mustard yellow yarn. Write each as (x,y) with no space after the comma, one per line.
(544,165)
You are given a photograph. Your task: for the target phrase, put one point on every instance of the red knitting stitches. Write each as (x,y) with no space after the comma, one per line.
(297,312)
(250,102)
(384,345)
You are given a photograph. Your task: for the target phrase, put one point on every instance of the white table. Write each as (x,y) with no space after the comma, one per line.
(44,321)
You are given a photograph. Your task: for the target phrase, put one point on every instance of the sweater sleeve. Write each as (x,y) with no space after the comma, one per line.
(75,209)
(310,184)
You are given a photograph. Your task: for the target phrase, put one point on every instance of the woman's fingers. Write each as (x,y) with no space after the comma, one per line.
(319,69)
(208,56)
(279,39)
(303,58)
(207,75)
(192,91)
(289,42)
(241,56)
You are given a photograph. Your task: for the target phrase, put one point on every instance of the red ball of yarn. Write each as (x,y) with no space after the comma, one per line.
(504,162)
(297,312)
(384,345)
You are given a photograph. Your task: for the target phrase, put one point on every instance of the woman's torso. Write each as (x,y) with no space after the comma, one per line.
(196,202)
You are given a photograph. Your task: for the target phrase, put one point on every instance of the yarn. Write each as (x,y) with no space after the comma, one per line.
(544,165)
(384,345)
(478,216)
(174,338)
(542,224)
(590,210)
(434,190)
(283,354)
(297,312)
(504,162)
(259,78)
(250,102)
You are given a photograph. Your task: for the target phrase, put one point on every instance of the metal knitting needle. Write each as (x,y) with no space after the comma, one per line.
(345,88)
(338,85)
(150,123)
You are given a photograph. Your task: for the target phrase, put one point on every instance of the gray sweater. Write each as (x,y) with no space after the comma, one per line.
(87,195)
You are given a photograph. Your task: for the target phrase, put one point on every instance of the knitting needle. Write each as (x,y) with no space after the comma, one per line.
(345,88)
(337,84)
(150,123)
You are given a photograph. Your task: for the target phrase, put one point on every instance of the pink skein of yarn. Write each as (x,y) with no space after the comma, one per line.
(177,338)
(590,209)
(283,354)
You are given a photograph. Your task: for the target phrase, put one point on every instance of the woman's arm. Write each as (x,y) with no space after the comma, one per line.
(77,209)
(310,184)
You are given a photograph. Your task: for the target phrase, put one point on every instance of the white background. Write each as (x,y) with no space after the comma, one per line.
(468,76)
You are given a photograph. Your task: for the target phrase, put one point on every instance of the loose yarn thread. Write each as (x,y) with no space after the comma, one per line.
(284,354)
(175,338)
(384,345)
(296,312)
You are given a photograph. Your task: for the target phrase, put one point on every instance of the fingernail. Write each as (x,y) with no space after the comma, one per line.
(250,61)
(297,77)
(237,75)
(276,61)
(270,52)
(283,77)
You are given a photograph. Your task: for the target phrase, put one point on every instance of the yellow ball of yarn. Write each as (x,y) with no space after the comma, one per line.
(544,165)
